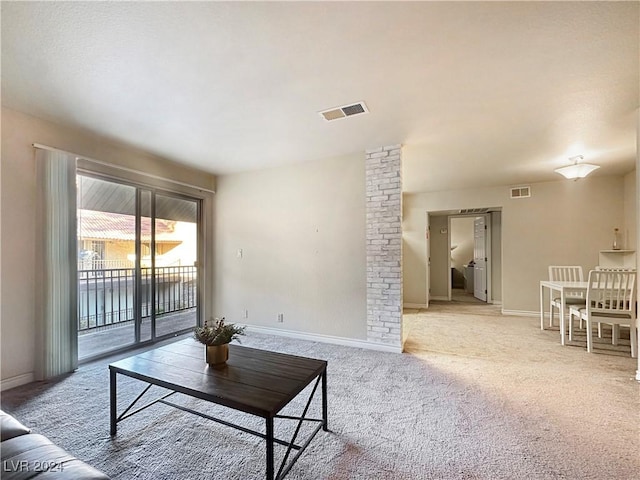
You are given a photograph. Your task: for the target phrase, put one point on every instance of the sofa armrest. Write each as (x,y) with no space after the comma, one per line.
(10,427)
(27,456)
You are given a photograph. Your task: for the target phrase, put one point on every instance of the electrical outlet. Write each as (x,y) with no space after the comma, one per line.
(280,317)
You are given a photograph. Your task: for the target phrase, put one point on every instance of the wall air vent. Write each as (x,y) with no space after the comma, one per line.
(344,111)
(520,192)
(473,211)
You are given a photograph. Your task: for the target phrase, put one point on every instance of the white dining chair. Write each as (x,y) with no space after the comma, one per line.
(565,273)
(614,337)
(616,269)
(611,299)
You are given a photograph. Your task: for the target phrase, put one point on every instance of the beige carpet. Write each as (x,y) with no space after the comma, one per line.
(476,396)
(582,407)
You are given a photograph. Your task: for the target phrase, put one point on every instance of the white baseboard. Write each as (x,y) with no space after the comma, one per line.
(16,381)
(440,297)
(520,313)
(414,305)
(315,337)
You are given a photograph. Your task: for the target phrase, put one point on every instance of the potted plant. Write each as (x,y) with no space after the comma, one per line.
(216,339)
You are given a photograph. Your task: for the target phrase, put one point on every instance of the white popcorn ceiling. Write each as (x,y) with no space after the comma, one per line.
(479,92)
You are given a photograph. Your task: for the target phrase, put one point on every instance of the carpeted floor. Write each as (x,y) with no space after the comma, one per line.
(477,395)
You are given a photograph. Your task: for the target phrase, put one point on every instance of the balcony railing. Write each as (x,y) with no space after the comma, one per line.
(107,296)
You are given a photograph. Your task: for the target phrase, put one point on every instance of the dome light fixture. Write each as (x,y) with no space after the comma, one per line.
(577,170)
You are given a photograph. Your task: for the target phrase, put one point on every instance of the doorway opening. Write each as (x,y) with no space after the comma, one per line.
(461,243)
(464,256)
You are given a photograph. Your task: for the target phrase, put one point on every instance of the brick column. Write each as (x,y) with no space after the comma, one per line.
(383,168)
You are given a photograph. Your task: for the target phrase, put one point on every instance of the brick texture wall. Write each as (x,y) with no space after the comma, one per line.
(384,244)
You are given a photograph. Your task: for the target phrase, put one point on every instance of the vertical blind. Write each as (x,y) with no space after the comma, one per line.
(56,322)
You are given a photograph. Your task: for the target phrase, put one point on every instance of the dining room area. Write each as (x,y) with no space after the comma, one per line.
(595,310)
(562,223)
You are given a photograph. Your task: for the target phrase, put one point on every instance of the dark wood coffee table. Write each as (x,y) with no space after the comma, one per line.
(253,381)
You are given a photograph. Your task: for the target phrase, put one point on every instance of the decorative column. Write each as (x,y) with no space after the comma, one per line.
(383,168)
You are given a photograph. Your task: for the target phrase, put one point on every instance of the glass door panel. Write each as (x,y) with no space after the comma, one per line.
(106,219)
(175,261)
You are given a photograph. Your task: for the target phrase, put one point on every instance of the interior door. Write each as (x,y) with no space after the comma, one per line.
(480,258)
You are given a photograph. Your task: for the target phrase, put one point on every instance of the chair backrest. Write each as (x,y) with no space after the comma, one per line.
(566,273)
(612,292)
(616,269)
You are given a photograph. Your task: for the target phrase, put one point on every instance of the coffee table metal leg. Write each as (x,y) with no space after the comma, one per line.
(325,417)
(112,395)
(269,434)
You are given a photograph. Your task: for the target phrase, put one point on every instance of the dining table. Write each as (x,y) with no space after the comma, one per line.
(563,289)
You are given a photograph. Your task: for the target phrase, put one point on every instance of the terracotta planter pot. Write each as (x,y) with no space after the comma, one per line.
(217,354)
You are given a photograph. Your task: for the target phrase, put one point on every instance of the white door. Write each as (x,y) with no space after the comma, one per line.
(480,258)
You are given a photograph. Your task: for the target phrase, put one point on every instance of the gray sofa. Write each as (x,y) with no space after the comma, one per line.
(27,455)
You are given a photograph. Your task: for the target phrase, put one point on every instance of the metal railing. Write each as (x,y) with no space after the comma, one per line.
(107,297)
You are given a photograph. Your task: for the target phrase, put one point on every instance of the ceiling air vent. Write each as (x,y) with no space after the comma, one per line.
(344,111)
(521,192)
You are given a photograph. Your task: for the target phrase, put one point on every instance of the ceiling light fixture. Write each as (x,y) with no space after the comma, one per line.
(577,170)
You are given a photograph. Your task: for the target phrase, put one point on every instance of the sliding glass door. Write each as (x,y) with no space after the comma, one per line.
(137,265)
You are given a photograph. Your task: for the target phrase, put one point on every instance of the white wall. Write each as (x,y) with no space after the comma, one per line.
(630,212)
(496,257)
(301,230)
(564,222)
(637,217)
(18,192)
(414,252)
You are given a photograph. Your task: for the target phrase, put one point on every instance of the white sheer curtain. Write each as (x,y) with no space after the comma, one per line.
(56,301)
